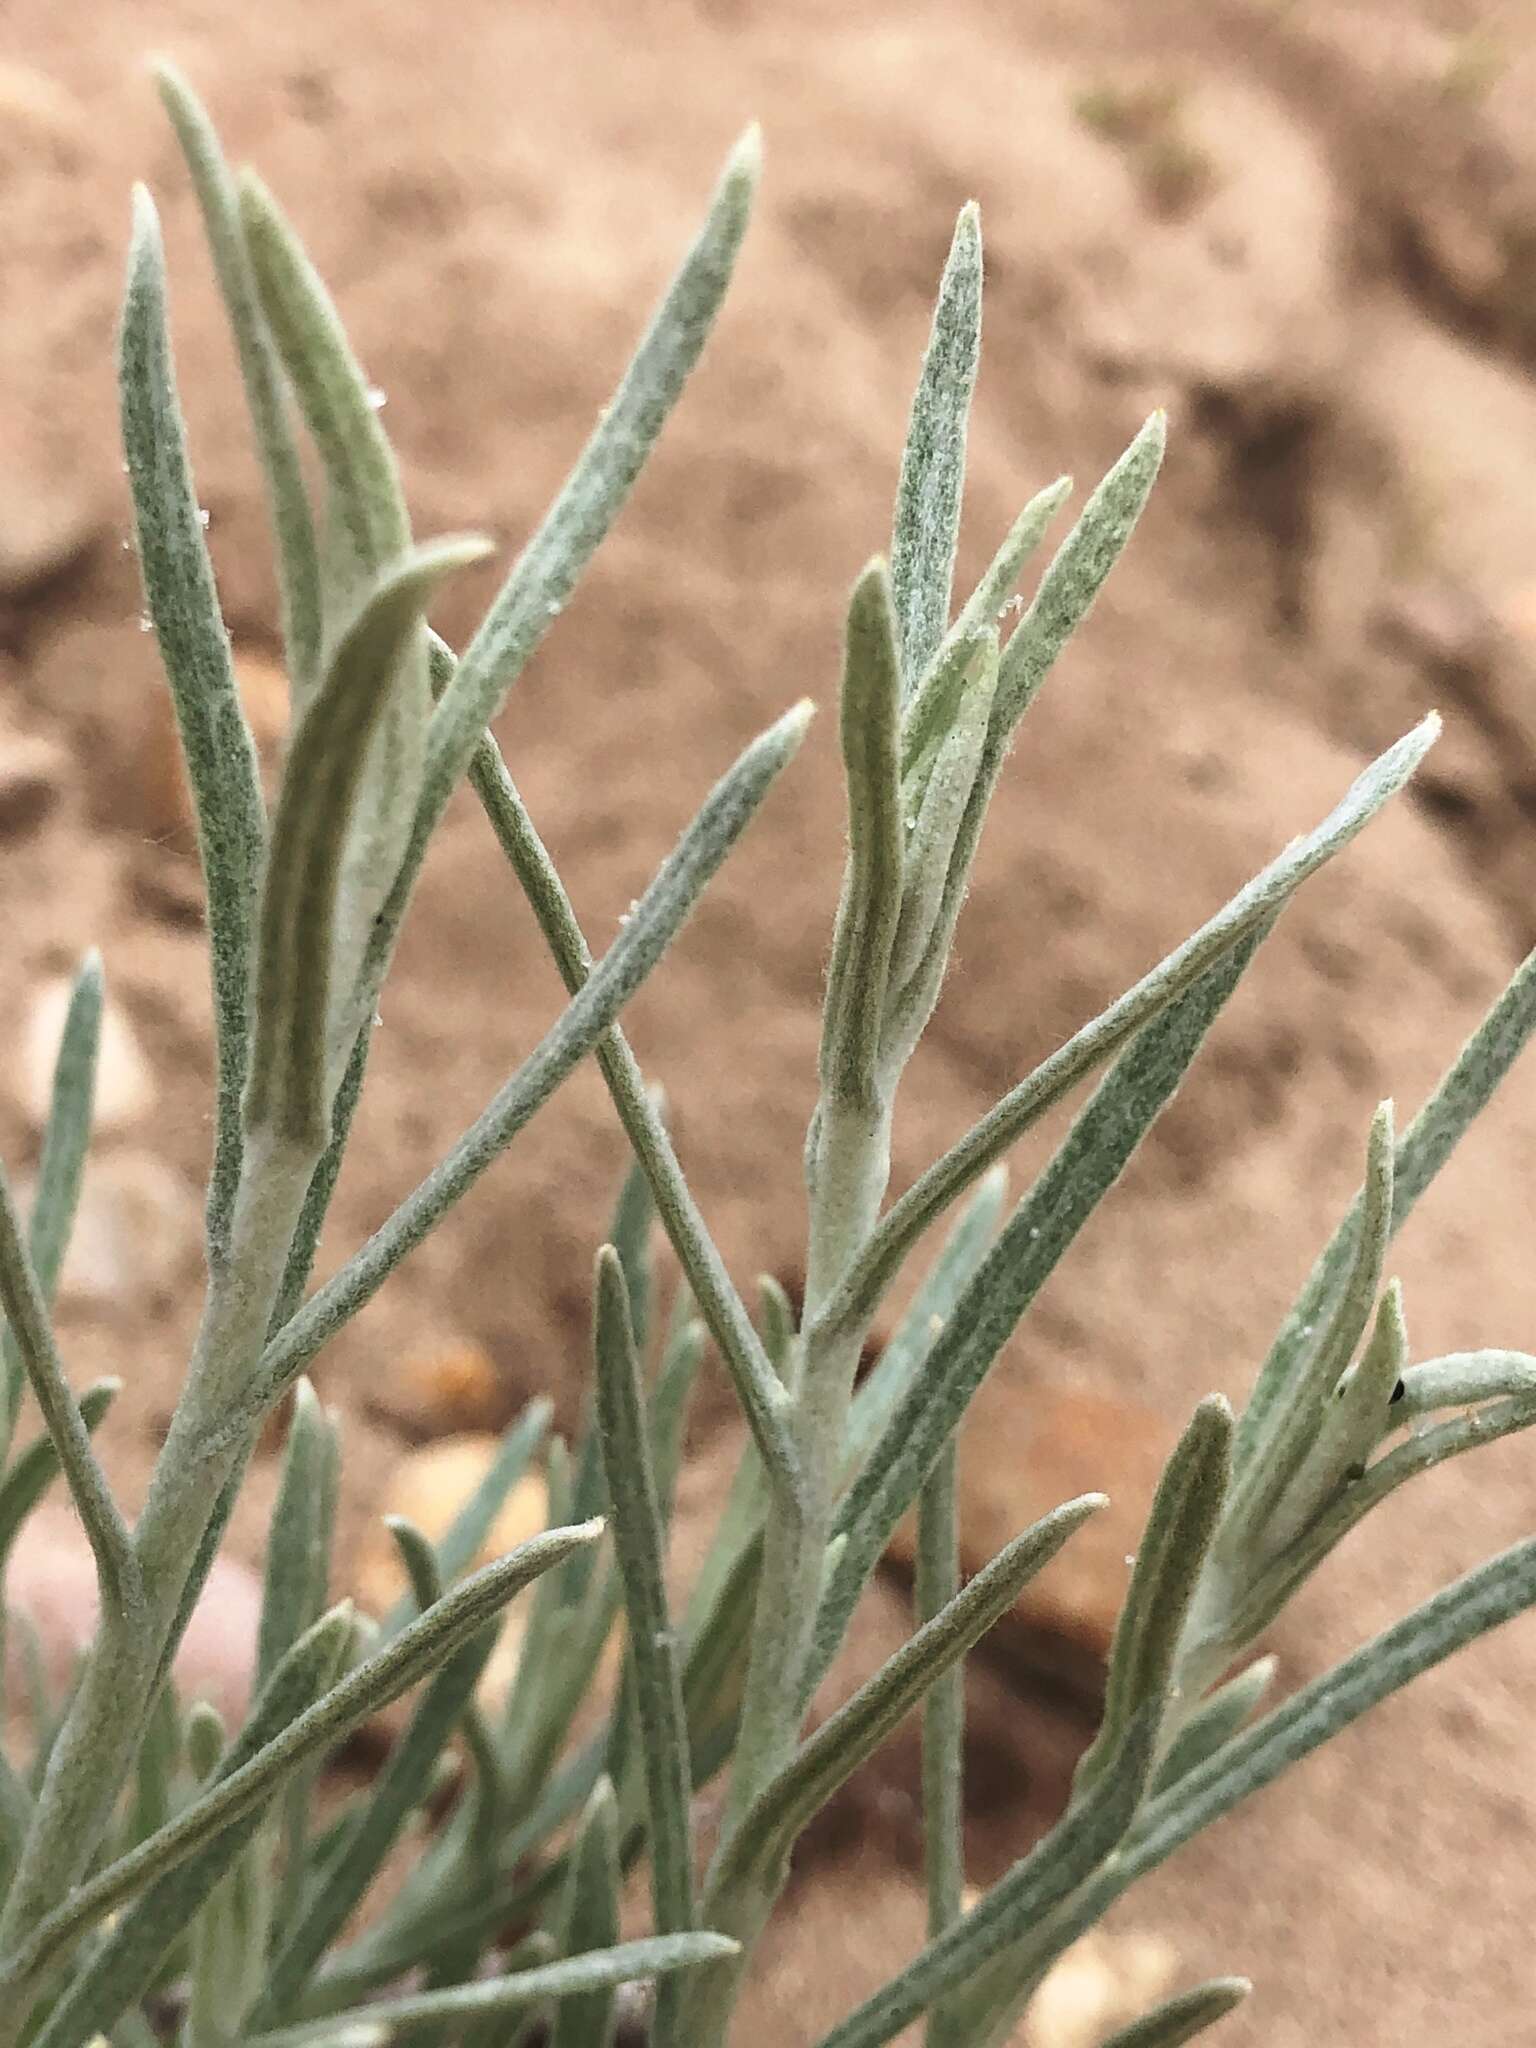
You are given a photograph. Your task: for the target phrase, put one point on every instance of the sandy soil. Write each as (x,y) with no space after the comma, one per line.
(1309,230)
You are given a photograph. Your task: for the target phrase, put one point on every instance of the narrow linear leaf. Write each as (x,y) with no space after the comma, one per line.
(298,566)
(653,1645)
(1181,2018)
(1298,1415)
(1088,1163)
(1215,1721)
(931,712)
(68,1131)
(591,1921)
(1421,1453)
(1077,572)
(400,1788)
(37,1466)
(989,601)
(656,920)
(21,1300)
(332,392)
(1089,1832)
(216,742)
(1185,1513)
(1462,1377)
(875,1399)
(427,1643)
(546,572)
(925,530)
(1253,906)
(573,1977)
(1463,1091)
(923,939)
(938,1584)
(1485,1599)
(719,1304)
(122,1968)
(871,900)
(828,1757)
(291,1082)
(298,1557)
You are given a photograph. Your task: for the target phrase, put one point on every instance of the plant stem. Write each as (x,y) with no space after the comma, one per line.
(93,1754)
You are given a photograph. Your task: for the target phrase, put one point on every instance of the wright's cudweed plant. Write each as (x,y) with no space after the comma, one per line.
(161,1874)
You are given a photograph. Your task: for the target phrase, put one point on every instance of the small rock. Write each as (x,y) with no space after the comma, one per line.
(43,535)
(51,1579)
(135,1231)
(1101,1982)
(428,1487)
(32,772)
(125,1087)
(456,1389)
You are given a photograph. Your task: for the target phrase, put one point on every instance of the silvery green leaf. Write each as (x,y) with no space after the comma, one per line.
(1496,1592)
(68,1131)
(634,1217)
(1215,1721)
(1461,1378)
(1089,1161)
(15,1818)
(993,596)
(21,1300)
(155,1769)
(183,606)
(639,945)
(590,1920)
(937,1585)
(547,571)
(1184,1516)
(1360,1412)
(925,530)
(1253,907)
(298,1555)
(365,503)
(1463,1091)
(1077,572)
(1180,2018)
(303,986)
(426,1644)
(229,1938)
(931,713)
(667,1414)
(843,1741)
(122,1967)
(298,566)
(1297,1412)
(932,894)
(654,1651)
(34,1468)
(572,1977)
(206,1739)
(400,1788)
(1087,1835)
(871,899)
(1426,1448)
(875,1399)
(719,1304)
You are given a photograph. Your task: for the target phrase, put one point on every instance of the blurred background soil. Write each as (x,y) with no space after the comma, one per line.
(1307,229)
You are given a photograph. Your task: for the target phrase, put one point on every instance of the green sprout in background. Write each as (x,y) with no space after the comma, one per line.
(158,1870)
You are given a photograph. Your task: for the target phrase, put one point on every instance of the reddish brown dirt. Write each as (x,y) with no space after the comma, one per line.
(1311,232)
